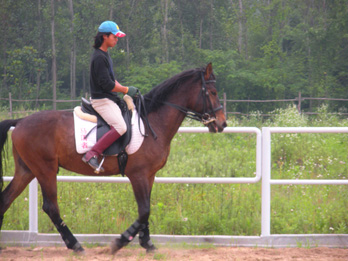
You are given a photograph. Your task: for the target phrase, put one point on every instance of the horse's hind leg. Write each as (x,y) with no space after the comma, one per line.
(21,179)
(46,173)
(50,206)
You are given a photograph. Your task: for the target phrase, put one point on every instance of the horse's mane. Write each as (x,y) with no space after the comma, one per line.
(160,93)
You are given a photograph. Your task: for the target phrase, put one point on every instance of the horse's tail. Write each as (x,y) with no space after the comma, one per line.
(4,128)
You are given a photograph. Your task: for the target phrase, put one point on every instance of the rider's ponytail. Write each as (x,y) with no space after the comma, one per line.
(98,39)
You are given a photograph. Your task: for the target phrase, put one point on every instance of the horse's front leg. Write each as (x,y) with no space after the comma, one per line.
(144,238)
(142,191)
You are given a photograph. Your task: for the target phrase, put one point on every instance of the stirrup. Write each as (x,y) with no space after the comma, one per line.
(97,170)
(94,165)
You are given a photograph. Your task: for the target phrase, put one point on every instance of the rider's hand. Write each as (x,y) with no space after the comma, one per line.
(132,91)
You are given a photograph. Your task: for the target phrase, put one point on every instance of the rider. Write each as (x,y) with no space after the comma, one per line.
(104,88)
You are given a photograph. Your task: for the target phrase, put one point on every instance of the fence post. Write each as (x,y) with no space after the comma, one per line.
(33,215)
(266,183)
(299,103)
(10,100)
(225,109)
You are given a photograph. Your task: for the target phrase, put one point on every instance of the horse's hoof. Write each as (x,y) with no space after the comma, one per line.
(151,249)
(78,249)
(80,252)
(115,246)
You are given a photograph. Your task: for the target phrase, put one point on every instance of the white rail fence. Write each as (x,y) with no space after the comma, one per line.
(266,170)
(263,169)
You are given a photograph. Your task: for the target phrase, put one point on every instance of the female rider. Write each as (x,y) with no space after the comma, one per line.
(104,88)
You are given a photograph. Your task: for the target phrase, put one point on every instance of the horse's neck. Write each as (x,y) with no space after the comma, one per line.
(167,118)
(168,121)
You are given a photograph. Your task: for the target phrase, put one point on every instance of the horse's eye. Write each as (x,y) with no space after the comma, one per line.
(213,93)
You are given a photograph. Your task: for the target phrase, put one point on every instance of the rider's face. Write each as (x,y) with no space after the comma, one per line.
(110,40)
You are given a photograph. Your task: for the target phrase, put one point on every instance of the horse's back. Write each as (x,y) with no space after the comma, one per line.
(39,136)
(49,118)
(42,126)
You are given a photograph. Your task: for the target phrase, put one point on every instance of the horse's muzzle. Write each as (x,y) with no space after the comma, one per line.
(217,126)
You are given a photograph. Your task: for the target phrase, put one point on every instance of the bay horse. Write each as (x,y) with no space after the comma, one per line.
(43,142)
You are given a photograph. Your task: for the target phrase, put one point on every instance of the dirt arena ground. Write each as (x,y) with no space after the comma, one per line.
(176,253)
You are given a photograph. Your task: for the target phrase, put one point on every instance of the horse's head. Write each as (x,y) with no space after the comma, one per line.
(207,106)
(193,93)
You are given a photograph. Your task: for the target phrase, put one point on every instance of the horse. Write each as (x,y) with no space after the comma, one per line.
(44,141)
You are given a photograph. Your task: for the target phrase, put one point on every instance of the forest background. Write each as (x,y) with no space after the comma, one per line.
(265,49)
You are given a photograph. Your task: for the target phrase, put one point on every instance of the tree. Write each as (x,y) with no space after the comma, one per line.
(72,52)
(54,58)
(23,70)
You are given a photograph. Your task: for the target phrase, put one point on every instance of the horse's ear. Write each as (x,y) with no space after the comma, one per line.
(208,71)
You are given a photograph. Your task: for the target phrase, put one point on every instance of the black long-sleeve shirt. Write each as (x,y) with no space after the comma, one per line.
(102,78)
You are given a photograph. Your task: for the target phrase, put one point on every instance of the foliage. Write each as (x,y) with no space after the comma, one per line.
(260,49)
(148,76)
(23,69)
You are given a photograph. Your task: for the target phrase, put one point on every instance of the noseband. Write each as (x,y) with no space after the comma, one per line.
(208,114)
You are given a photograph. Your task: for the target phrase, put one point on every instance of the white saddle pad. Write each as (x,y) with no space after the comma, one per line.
(83,127)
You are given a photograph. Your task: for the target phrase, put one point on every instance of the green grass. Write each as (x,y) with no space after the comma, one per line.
(218,209)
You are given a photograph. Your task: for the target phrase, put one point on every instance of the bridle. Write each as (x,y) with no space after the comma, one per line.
(206,117)
(208,114)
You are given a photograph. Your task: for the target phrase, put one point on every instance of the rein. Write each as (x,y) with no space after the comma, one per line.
(207,116)
(140,105)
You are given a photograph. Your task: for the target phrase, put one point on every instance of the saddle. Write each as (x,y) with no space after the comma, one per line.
(89,127)
(119,146)
(102,127)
